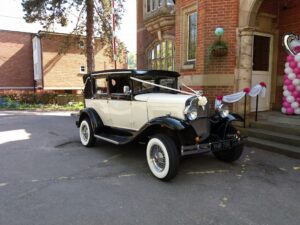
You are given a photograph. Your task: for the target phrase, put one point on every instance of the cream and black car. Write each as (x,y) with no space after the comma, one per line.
(122,106)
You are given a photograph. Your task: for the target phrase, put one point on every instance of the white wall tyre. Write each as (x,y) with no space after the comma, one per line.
(162,157)
(86,133)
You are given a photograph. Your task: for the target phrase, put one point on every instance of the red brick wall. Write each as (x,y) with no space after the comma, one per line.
(16,61)
(211,14)
(144,38)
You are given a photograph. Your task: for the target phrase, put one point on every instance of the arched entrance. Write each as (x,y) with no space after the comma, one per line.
(257,36)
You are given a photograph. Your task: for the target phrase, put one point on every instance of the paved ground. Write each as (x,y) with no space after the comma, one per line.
(47,177)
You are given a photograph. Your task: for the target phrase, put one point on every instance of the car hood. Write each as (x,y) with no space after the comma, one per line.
(162,98)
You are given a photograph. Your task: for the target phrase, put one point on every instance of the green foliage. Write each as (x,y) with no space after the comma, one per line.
(216,45)
(50,12)
(131,61)
(45,101)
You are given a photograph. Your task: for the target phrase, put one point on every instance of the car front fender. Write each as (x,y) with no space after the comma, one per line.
(219,126)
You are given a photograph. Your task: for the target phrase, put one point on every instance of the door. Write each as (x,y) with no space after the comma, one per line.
(262,68)
(119,103)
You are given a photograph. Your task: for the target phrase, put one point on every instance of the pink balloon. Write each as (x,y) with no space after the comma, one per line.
(285,77)
(298,76)
(297,99)
(291,88)
(287,82)
(293,64)
(286,105)
(297,70)
(284,99)
(296,93)
(290,58)
(289,111)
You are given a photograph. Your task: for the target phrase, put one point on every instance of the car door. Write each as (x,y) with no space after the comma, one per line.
(99,101)
(119,103)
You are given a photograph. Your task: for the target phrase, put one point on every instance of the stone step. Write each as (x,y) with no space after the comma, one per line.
(277,117)
(280,137)
(277,127)
(288,150)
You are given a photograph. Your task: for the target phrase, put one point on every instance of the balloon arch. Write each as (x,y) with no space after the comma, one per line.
(291,83)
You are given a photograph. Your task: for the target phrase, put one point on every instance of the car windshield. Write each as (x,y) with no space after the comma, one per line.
(141,88)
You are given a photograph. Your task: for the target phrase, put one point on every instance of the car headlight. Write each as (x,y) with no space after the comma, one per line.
(223,110)
(191,112)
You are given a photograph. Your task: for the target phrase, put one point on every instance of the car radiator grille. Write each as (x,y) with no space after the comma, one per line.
(201,125)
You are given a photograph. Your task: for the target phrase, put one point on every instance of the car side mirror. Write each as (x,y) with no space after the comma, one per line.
(126,90)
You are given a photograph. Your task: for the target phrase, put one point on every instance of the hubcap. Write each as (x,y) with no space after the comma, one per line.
(158,158)
(85,133)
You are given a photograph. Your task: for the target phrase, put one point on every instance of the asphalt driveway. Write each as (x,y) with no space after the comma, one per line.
(47,177)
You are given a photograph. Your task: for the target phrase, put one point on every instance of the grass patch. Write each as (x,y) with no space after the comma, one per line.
(71,106)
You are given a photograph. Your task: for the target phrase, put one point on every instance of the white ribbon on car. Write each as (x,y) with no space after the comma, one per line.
(202,101)
(161,86)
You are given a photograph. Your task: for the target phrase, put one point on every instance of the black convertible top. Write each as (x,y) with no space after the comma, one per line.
(137,73)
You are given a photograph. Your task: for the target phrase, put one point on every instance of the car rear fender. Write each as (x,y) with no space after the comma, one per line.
(93,116)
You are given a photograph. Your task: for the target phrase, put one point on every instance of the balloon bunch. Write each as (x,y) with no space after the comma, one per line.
(291,88)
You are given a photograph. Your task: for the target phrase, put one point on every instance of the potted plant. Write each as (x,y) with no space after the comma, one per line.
(218,48)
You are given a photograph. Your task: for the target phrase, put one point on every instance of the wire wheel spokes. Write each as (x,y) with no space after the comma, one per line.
(158,158)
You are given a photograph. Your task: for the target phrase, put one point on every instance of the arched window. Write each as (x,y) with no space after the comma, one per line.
(161,57)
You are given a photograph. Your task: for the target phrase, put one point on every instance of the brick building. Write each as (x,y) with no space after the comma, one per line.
(46,61)
(177,35)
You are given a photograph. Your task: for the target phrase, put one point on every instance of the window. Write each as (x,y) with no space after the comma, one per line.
(261,53)
(119,87)
(152,5)
(170,2)
(148,5)
(160,3)
(140,88)
(188,32)
(101,86)
(192,36)
(161,57)
(82,69)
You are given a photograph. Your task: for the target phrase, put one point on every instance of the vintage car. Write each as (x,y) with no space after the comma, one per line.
(123,106)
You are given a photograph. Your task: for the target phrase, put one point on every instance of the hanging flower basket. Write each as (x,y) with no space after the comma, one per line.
(219,51)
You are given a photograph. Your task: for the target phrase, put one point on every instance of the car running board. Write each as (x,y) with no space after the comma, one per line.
(113,138)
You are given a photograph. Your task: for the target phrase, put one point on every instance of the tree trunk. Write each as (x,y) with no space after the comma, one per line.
(90,58)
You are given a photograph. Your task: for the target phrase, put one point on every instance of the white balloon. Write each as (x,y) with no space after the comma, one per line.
(286,65)
(284,87)
(296,82)
(297,58)
(286,93)
(295,105)
(298,64)
(298,88)
(297,111)
(291,76)
(283,110)
(290,99)
(288,70)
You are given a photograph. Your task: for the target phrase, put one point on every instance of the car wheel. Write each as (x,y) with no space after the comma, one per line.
(162,157)
(230,155)
(233,153)
(86,133)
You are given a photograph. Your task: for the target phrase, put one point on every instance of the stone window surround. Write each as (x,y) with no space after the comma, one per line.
(185,12)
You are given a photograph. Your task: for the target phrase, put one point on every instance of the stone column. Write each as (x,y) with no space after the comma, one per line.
(244,64)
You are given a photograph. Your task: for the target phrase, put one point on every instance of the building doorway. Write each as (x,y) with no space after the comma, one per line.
(262,68)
